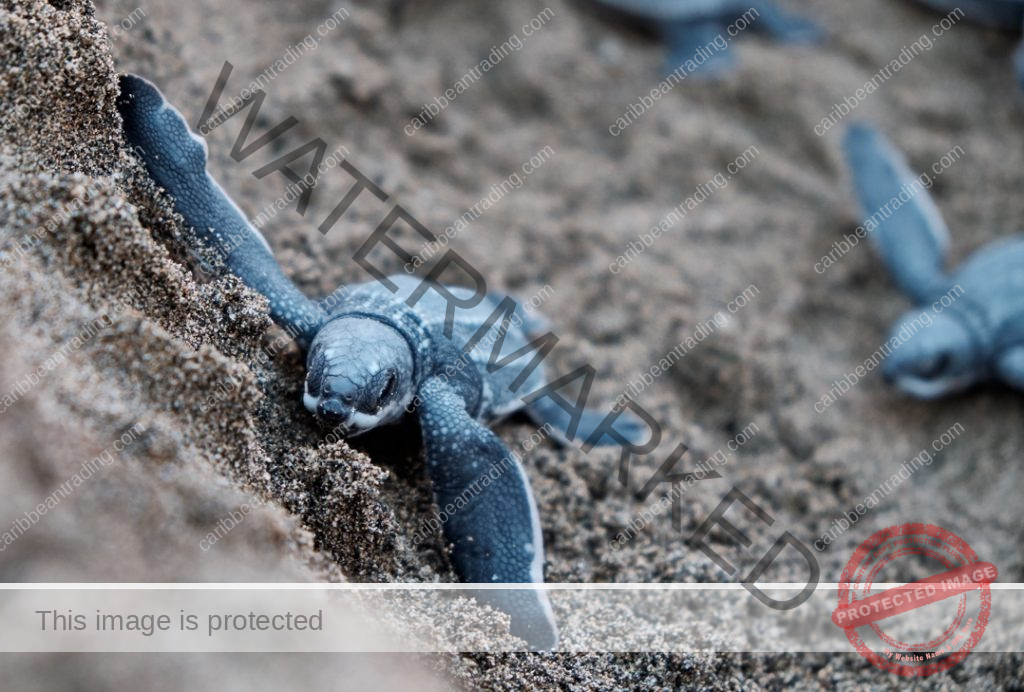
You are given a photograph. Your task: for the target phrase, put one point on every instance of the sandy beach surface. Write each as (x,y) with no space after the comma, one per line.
(173,361)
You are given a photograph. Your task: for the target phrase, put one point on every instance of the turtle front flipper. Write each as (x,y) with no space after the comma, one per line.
(491,520)
(176,160)
(694,42)
(901,219)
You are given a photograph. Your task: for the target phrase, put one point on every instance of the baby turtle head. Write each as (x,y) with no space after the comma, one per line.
(359,374)
(936,355)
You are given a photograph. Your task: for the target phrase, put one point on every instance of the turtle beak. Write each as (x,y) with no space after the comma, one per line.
(340,416)
(333,412)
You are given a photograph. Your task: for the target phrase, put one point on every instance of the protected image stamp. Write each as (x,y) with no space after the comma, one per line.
(934,638)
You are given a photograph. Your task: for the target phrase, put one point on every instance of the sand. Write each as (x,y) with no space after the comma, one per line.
(348,510)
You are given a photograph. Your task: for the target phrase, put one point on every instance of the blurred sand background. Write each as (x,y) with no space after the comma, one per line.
(349,512)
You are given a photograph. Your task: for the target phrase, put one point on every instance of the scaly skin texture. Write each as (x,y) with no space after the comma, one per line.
(979,334)
(492,521)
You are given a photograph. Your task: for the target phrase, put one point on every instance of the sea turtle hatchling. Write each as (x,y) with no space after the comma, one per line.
(695,31)
(372,357)
(980,334)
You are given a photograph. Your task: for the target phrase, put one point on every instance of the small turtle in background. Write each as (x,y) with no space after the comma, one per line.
(372,359)
(1007,15)
(696,30)
(979,336)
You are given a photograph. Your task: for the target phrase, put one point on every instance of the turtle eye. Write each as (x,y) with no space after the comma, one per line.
(389,388)
(935,367)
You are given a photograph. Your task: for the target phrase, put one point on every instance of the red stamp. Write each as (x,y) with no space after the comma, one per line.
(934,644)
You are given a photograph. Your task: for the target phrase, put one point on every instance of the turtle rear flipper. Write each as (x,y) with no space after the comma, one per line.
(903,222)
(545,411)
